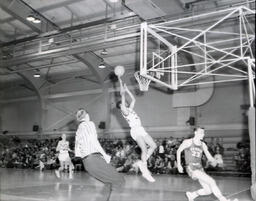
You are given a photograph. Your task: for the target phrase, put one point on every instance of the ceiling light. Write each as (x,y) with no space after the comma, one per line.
(37,74)
(30,18)
(113,1)
(104,52)
(102,64)
(37,21)
(131,13)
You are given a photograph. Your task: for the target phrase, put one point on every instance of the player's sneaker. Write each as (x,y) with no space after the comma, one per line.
(149,177)
(189,196)
(145,172)
(57,173)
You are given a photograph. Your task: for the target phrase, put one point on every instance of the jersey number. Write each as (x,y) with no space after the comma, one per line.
(196,154)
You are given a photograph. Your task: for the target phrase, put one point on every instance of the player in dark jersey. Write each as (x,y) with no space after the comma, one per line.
(194,149)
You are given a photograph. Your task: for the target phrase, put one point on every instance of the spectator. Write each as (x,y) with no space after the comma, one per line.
(159,165)
(219,159)
(161,150)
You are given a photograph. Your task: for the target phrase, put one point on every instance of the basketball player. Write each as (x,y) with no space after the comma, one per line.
(137,132)
(94,158)
(63,149)
(194,149)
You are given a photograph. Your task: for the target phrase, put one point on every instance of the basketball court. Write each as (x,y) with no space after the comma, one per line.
(25,185)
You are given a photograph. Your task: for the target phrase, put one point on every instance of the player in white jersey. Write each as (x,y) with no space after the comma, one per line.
(137,132)
(63,149)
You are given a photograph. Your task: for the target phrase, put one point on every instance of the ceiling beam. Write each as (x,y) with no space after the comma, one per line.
(89,59)
(3,35)
(46,8)
(73,28)
(20,10)
(70,50)
(92,62)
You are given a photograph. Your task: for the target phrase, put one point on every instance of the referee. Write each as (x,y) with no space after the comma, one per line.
(95,159)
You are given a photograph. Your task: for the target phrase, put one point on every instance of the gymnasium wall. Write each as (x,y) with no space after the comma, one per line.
(221,115)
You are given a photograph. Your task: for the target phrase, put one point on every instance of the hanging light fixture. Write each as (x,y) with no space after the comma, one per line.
(104,52)
(33,18)
(102,64)
(37,74)
(30,18)
(37,20)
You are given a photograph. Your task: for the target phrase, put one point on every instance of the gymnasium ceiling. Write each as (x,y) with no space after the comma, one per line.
(73,32)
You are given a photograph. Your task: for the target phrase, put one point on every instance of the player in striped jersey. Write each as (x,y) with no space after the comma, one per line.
(194,149)
(94,158)
(137,132)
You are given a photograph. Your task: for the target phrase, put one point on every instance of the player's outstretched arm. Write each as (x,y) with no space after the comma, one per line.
(184,145)
(132,103)
(123,100)
(207,154)
(121,85)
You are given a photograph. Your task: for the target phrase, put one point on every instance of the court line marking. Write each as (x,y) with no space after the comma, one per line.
(19,197)
(231,195)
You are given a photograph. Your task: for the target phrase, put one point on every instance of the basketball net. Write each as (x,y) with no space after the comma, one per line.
(143,81)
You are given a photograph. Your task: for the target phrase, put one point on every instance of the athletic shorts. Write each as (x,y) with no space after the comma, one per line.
(138,131)
(191,168)
(64,157)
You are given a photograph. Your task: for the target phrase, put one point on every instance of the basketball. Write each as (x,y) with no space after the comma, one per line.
(119,70)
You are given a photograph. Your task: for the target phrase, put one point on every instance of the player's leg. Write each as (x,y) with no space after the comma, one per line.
(206,190)
(71,168)
(141,143)
(151,143)
(97,167)
(143,165)
(62,165)
(203,177)
(61,168)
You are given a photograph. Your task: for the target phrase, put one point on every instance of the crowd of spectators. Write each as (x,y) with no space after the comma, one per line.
(16,153)
(125,153)
(41,154)
(215,147)
(242,157)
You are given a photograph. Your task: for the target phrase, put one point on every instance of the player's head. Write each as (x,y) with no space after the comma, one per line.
(119,104)
(82,115)
(199,133)
(63,136)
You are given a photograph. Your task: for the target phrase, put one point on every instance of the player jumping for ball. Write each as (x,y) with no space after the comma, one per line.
(194,149)
(137,132)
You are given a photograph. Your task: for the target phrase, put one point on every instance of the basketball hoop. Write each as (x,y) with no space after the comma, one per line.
(143,81)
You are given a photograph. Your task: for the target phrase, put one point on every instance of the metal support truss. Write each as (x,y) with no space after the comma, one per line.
(220,47)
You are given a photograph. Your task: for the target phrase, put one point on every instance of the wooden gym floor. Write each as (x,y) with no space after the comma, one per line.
(32,185)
